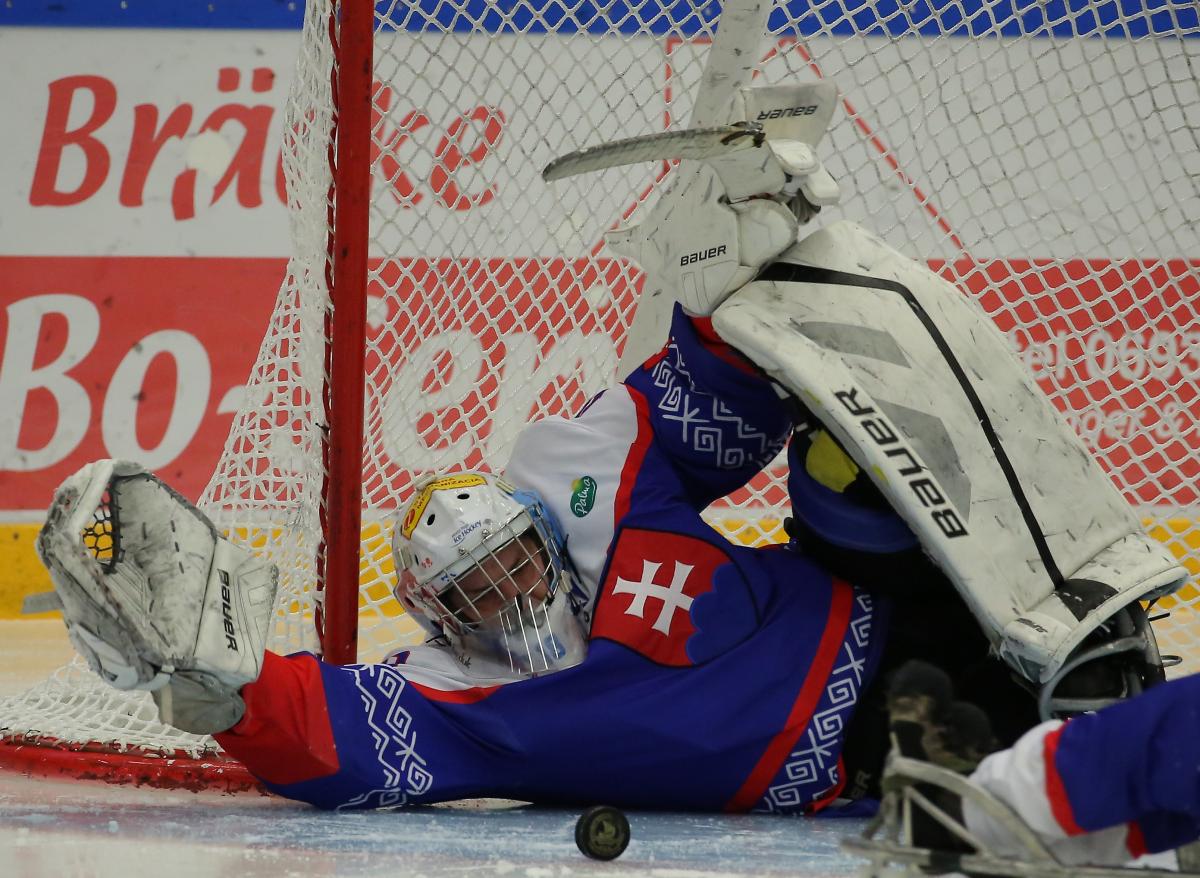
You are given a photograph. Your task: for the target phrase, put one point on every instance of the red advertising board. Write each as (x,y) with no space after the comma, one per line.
(138,357)
(144,237)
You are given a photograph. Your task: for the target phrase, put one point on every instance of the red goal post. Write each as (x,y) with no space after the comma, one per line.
(1042,156)
(352,29)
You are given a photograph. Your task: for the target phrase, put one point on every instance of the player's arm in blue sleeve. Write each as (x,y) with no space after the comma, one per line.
(714,416)
(365,736)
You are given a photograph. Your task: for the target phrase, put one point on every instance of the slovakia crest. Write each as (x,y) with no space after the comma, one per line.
(655,586)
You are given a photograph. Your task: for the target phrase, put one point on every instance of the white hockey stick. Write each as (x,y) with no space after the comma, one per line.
(730,65)
(690,143)
(731,62)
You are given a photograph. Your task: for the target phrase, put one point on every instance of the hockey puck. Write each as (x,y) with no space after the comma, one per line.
(602,832)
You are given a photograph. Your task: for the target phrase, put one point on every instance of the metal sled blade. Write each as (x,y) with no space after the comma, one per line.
(884,856)
(690,143)
(887,842)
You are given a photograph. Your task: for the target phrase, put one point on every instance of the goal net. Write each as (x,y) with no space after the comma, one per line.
(1043,155)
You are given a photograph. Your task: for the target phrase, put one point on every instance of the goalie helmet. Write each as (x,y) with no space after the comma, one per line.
(483,566)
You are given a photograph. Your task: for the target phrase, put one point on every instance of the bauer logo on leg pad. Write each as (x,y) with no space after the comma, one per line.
(916,474)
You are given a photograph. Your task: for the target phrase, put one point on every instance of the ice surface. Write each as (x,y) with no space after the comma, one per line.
(59,828)
(55,829)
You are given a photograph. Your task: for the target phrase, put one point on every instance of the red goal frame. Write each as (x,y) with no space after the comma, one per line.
(351,28)
(351,31)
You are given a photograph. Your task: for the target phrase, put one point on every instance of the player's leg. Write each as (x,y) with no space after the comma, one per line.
(932,405)
(1107,785)
(842,521)
(1100,789)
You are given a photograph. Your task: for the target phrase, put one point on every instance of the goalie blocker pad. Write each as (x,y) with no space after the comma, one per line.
(924,393)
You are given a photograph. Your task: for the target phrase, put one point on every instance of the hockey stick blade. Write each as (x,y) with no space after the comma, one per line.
(690,143)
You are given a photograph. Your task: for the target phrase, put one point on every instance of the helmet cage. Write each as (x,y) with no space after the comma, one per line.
(520,563)
(500,598)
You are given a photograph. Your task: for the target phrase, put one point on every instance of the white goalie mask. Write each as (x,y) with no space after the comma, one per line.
(483,565)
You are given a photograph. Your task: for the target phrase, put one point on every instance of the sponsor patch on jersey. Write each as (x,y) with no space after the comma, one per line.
(583,496)
(445,483)
(646,599)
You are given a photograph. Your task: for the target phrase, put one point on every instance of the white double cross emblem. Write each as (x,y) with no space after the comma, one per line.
(672,595)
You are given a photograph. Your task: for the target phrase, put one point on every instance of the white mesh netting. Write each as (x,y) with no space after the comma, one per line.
(1042,155)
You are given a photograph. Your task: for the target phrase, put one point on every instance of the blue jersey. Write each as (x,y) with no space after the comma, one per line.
(718,677)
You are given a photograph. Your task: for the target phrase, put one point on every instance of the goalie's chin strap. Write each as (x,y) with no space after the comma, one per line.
(924,394)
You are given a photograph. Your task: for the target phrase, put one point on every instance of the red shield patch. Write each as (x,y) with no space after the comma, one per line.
(646,597)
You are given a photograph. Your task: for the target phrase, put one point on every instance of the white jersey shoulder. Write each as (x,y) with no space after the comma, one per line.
(575,466)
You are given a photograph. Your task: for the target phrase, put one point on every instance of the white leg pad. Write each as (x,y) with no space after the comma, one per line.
(924,393)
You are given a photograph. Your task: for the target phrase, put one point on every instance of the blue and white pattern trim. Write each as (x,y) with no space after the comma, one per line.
(812,768)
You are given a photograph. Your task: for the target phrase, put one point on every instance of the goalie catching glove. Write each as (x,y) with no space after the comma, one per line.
(153,596)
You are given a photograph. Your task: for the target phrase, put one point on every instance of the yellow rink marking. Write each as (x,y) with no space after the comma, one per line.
(22,574)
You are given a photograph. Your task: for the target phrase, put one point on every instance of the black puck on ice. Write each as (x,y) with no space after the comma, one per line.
(602,832)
